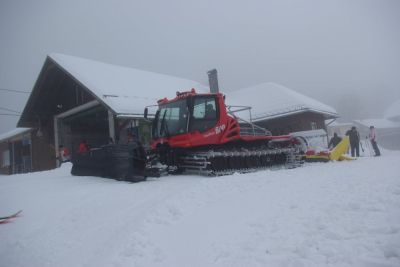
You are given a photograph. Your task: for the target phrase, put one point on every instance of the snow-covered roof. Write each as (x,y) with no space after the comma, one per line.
(10,134)
(393,111)
(271,100)
(378,123)
(339,124)
(124,90)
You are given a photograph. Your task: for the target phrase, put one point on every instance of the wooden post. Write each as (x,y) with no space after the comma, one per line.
(58,161)
(111,125)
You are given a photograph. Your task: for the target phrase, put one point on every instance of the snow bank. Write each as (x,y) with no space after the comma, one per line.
(333,214)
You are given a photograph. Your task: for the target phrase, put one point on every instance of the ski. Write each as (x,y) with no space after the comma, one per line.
(6,218)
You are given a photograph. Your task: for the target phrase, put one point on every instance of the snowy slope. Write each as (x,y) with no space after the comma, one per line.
(333,214)
(393,111)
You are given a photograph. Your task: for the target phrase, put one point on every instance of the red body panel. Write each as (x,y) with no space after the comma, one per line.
(227,129)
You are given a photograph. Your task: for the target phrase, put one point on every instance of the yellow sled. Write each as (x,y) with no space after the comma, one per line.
(346,157)
(316,158)
(337,154)
(340,150)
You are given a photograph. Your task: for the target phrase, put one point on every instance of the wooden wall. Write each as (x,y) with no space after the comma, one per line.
(294,123)
(4,146)
(43,151)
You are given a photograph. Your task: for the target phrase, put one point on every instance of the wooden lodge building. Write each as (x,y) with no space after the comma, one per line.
(25,150)
(75,99)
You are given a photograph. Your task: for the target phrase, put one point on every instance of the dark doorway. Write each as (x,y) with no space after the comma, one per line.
(91,125)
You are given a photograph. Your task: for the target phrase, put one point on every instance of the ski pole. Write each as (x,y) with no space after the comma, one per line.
(361,146)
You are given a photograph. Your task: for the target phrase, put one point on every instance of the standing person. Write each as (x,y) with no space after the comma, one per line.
(83,147)
(354,137)
(373,139)
(335,140)
(63,155)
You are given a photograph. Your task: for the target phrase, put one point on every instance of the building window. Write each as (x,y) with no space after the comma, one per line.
(26,141)
(313,125)
(5,159)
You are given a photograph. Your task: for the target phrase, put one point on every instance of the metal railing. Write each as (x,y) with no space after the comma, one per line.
(247,128)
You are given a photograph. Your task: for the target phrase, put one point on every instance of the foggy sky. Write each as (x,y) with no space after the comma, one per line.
(345,53)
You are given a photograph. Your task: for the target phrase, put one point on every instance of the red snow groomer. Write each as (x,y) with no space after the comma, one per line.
(198,132)
(194,133)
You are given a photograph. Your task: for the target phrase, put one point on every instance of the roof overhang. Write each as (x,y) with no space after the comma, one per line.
(13,134)
(78,109)
(326,115)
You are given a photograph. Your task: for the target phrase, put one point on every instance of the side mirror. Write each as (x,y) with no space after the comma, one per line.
(146,112)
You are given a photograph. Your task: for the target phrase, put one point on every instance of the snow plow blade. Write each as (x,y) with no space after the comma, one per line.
(120,162)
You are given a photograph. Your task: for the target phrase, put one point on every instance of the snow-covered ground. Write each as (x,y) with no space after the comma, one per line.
(333,214)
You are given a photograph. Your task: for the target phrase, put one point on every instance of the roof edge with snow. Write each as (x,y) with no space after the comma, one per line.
(122,90)
(13,133)
(272,100)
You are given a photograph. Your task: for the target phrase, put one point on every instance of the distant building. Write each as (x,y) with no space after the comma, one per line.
(282,110)
(23,150)
(388,132)
(387,128)
(339,127)
(75,98)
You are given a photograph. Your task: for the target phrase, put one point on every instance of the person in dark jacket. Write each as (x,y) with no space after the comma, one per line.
(335,140)
(354,137)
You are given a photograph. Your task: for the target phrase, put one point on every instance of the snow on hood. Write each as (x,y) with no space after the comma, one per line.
(124,90)
(270,100)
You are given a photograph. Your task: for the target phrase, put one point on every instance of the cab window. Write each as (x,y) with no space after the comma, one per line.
(204,115)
